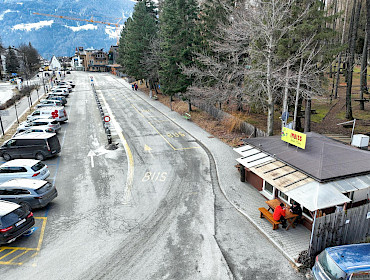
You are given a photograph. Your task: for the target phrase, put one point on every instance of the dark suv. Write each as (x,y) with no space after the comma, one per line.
(15,220)
(38,145)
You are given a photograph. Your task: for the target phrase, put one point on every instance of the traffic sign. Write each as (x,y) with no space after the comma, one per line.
(106,118)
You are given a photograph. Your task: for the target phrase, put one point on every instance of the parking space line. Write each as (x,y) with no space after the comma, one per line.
(7,254)
(17,256)
(42,232)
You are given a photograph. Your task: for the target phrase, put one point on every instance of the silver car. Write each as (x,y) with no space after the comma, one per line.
(32,193)
(23,168)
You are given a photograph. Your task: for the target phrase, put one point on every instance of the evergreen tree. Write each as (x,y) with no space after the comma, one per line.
(178,42)
(136,37)
(11,62)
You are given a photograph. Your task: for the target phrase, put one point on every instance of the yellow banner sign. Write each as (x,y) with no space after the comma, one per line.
(294,137)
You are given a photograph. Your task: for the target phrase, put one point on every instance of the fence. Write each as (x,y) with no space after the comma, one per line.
(346,227)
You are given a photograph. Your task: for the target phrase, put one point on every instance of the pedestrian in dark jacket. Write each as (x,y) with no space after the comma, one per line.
(136,86)
(133,86)
(296,209)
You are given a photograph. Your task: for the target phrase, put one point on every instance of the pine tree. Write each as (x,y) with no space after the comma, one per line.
(11,62)
(178,42)
(136,37)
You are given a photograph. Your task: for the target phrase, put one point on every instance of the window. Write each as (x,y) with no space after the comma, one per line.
(268,188)
(283,196)
(307,213)
(17,169)
(38,166)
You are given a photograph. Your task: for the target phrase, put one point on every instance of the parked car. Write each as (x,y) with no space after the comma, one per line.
(56,97)
(46,102)
(65,86)
(32,193)
(15,220)
(23,168)
(343,263)
(57,113)
(37,129)
(52,123)
(36,145)
(60,91)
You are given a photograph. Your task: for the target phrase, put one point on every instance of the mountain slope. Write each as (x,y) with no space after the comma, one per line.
(55,36)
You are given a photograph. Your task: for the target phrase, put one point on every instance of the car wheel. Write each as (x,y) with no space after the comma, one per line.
(7,157)
(26,206)
(39,156)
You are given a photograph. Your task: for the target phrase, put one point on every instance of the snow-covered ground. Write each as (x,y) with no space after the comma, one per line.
(6,91)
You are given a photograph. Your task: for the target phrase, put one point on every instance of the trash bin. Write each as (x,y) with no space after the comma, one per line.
(242,173)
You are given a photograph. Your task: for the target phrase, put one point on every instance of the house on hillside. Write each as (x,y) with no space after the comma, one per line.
(324,177)
(55,64)
(90,59)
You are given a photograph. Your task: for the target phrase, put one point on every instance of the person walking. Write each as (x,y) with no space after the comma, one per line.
(279,214)
(133,86)
(136,86)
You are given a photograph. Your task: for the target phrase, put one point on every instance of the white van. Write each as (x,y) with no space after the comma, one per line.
(56,112)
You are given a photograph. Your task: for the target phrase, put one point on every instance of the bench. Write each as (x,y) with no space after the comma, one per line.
(187,116)
(266,214)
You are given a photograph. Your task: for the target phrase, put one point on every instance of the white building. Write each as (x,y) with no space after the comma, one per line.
(55,64)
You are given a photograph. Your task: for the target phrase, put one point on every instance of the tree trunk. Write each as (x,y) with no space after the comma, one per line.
(270,99)
(340,54)
(297,95)
(363,77)
(189,105)
(307,115)
(368,23)
(286,93)
(353,36)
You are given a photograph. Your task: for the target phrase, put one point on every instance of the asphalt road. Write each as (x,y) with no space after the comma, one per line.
(150,209)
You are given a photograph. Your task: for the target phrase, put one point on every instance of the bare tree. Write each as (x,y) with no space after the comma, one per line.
(352,44)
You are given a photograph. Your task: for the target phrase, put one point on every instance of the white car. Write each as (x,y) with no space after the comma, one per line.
(60,91)
(23,168)
(54,124)
(41,128)
(48,103)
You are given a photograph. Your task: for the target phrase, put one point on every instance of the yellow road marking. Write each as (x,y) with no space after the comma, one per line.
(42,232)
(16,257)
(11,252)
(25,249)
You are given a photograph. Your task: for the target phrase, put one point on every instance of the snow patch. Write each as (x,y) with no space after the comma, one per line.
(6,12)
(30,26)
(83,27)
(112,32)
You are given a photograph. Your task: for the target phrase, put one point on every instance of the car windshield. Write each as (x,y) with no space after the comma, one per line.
(13,217)
(38,166)
(330,267)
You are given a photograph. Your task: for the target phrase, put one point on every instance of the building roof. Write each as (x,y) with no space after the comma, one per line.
(323,159)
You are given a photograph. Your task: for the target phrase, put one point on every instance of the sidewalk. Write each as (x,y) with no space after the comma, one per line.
(244,197)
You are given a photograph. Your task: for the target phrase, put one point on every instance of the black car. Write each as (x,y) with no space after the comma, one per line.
(15,220)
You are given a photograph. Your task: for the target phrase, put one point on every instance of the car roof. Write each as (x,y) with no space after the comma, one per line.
(6,207)
(35,135)
(351,258)
(23,182)
(20,162)
(51,108)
